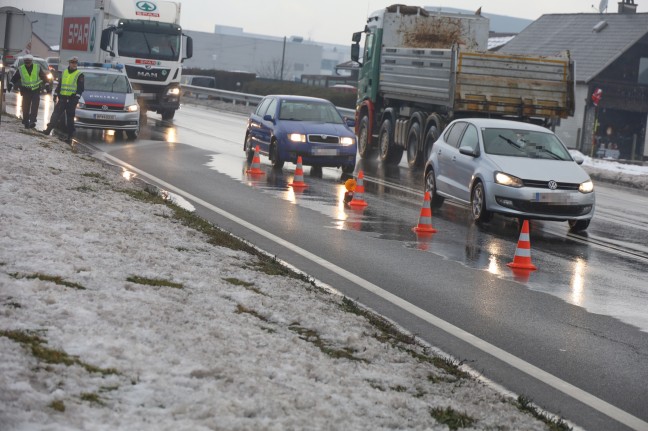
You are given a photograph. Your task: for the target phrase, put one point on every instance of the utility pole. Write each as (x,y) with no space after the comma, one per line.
(283,57)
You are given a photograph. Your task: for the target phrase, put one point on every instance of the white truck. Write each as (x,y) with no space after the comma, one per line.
(143,35)
(419,70)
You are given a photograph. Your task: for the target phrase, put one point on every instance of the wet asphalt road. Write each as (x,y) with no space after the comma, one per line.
(582,316)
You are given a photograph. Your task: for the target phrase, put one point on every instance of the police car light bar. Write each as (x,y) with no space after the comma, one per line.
(117,66)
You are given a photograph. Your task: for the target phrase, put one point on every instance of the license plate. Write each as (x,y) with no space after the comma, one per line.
(105,117)
(554,198)
(325,152)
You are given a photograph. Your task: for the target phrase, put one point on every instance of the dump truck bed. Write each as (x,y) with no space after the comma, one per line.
(479,82)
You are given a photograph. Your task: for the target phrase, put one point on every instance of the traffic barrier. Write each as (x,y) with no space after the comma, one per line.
(425,219)
(298,179)
(358,194)
(255,168)
(522,258)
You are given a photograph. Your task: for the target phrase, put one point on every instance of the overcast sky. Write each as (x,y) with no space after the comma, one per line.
(332,21)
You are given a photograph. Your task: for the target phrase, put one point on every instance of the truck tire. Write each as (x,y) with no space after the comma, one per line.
(168,115)
(414,153)
(364,139)
(430,138)
(389,153)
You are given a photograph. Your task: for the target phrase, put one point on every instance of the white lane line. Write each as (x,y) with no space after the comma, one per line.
(527,368)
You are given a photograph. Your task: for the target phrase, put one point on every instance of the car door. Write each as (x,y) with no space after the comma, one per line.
(446,151)
(257,130)
(465,164)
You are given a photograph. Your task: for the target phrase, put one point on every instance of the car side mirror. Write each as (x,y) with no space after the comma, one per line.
(350,122)
(578,159)
(469,151)
(268,117)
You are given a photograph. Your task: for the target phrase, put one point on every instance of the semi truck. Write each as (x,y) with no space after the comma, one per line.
(143,35)
(420,70)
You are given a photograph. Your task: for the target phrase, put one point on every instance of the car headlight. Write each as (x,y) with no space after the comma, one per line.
(174,91)
(586,187)
(80,105)
(508,180)
(50,76)
(346,140)
(297,137)
(132,108)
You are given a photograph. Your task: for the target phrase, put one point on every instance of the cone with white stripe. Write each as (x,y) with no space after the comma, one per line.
(358,193)
(425,219)
(298,179)
(522,258)
(255,168)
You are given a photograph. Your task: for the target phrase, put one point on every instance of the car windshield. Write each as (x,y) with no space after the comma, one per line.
(300,110)
(108,82)
(524,143)
(155,46)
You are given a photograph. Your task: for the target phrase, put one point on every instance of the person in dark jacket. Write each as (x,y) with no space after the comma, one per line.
(66,96)
(30,78)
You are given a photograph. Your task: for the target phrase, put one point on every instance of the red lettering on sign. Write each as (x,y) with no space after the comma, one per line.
(76,33)
(155,15)
(141,61)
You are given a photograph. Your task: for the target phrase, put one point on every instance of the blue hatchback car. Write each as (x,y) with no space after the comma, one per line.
(285,127)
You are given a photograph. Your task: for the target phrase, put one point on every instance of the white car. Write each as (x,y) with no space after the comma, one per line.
(512,168)
(108,101)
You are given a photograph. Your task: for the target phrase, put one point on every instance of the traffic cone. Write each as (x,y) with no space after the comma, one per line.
(522,258)
(255,168)
(358,194)
(425,219)
(298,179)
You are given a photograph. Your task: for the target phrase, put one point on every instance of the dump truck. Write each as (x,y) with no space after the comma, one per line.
(145,36)
(420,70)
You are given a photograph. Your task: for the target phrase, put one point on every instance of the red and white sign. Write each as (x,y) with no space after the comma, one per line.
(76,33)
(149,14)
(143,61)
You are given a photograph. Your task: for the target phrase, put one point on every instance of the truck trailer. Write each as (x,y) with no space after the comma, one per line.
(143,35)
(420,70)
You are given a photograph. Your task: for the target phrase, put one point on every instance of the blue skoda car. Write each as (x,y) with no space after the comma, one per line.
(285,127)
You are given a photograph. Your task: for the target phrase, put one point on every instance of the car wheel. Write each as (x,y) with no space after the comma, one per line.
(247,147)
(478,203)
(132,134)
(277,163)
(430,186)
(348,169)
(414,156)
(389,153)
(578,225)
(364,140)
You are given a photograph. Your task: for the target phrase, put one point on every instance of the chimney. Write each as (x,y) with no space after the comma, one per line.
(627,6)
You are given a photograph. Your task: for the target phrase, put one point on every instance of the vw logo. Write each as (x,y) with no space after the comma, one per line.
(104,107)
(552,185)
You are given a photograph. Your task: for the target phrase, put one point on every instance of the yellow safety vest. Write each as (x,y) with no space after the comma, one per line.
(30,81)
(69,82)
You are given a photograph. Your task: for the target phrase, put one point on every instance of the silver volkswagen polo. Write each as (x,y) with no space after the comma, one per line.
(512,168)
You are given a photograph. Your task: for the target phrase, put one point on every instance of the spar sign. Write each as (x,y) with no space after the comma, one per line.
(78,33)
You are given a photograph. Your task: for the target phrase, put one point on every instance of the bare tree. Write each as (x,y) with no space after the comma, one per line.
(273,69)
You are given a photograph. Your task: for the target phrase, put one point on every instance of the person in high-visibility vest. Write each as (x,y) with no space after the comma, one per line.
(31,79)
(68,92)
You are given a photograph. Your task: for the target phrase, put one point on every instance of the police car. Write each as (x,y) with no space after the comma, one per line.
(108,100)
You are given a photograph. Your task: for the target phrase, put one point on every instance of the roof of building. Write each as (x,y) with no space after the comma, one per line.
(594,40)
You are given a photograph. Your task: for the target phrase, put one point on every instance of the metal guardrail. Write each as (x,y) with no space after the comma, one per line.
(242,98)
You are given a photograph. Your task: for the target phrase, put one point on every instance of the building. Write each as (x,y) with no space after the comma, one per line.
(610,52)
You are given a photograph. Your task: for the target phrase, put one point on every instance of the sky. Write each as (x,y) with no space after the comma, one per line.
(332,21)
(227,348)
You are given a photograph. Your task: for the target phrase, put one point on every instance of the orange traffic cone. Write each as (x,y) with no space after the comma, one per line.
(425,219)
(358,194)
(255,169)
(522,258)
(298,180)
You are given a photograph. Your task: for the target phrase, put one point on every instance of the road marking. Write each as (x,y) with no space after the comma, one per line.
(527,368)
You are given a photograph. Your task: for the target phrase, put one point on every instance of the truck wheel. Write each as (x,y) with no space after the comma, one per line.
(364,140)
(430,138)
(414,156)
(389,153)
(168,115)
